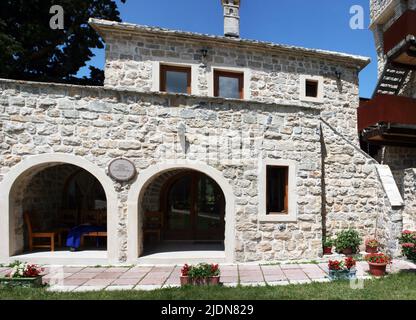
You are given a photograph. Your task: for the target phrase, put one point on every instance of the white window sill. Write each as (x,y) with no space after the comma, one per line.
(277,218)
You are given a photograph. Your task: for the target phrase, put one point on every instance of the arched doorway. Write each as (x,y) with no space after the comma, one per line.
(43,186)
(146,195)
(193,206)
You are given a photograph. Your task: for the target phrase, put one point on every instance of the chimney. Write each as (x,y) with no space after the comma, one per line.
(231,18)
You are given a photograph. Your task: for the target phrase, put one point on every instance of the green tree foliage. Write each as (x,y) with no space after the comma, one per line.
(31,50)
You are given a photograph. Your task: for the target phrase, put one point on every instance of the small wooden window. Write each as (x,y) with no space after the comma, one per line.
(277,190)
(175,79)
(228,84)
(311,88)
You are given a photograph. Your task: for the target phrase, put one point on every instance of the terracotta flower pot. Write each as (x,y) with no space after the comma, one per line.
(214,280)
(185,280)
(327,250)
(371,249)
(377,269)
(347,251)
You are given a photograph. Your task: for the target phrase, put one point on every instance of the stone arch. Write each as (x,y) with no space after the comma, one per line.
(146,176)
(29,167)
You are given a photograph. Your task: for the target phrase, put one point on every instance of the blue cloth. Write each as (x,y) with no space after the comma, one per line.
(74,236)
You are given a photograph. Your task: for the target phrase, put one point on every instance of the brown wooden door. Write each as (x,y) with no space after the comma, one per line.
(194,208)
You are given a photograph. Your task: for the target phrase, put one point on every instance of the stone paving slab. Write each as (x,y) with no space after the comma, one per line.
(125,282)
(108,275)
(133,275)
(79,279)
(116,270)
(86,275)
(98,282)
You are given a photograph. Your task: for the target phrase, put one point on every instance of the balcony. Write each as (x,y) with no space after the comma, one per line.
(388,120)
(400,40)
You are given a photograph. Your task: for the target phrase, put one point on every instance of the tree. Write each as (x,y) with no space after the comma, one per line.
(31,50)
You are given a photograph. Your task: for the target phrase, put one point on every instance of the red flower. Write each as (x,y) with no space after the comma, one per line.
(32,271)
(408,245)
(334,265)
(349,262)
(407,232)
(185,270)
(378,258)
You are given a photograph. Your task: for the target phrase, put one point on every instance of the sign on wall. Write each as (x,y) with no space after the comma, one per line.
(121,170)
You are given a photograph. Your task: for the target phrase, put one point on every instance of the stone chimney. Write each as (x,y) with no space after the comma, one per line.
(231,18)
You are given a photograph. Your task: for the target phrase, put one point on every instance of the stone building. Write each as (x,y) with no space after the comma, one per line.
(387,123)
(240,150)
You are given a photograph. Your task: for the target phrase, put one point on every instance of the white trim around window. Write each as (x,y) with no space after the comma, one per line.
(291,216)
(156,74)
(320,81)
(246,76)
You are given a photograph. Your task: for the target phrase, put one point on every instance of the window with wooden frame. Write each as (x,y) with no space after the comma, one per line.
(277,190)
(311,88)
(175,79)
(229,84)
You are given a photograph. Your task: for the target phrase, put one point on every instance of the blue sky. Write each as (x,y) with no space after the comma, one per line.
(321,24)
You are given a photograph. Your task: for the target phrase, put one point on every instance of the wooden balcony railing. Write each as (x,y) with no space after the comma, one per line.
(386,109)
(400,30)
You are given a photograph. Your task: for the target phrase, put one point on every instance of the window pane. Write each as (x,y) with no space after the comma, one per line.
(311,88)
(179,206)
(229,87)
(277,189)
(176,82)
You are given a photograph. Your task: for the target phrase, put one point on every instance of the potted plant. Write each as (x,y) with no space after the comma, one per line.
(214,278)
(347,241)
(408,242)
(328,243)
(23,275)
(378,263)
(184,278)
(371,245)
(342,270)
(200,274)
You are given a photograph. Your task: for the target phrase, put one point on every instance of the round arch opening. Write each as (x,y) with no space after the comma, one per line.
(192,207)
(60,196)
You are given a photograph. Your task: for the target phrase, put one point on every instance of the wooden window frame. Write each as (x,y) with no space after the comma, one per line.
(228,74)
(314,82)
(165,68)
(286,194)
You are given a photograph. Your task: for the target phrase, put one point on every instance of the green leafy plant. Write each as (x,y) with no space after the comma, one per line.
(201,271)
(372,243)
(408,242)
(328,242)
(347,239)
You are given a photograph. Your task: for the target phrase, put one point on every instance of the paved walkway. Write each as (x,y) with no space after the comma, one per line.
(80,279)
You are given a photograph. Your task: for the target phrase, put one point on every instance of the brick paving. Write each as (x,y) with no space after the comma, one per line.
(80,279)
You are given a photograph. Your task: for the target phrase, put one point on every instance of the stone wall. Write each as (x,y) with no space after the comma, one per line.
(43,195)
(409,195)
(353,194)
(398,159)
(231,136)
(274,77)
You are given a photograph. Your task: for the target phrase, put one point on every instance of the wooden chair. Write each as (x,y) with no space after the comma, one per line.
(52,236)
(153,224)
(94,217)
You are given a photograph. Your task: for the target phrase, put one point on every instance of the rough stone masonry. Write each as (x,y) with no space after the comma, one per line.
(336,184)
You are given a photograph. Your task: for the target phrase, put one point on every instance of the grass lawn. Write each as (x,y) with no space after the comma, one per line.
(398,286)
